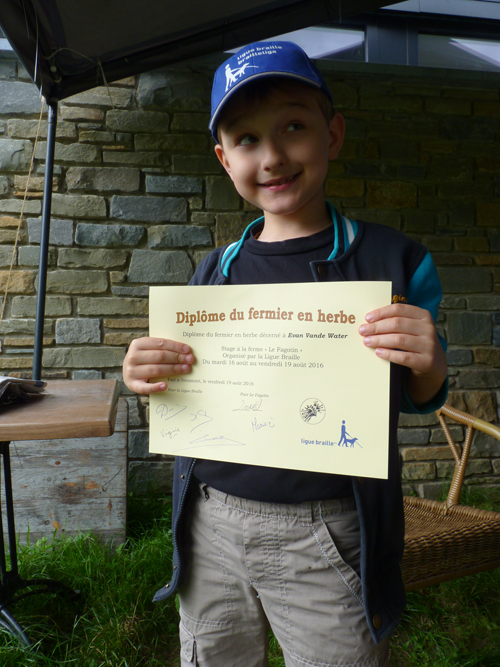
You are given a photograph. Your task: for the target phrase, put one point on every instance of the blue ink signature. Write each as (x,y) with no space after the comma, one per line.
(202,418)
(169,413)
(169,434)
(207,441)
(256,425)
(254,407)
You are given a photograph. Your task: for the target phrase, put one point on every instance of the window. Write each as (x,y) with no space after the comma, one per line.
(458,53)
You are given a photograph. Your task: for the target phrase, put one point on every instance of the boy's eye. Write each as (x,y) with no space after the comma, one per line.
(293,127)
(246,140)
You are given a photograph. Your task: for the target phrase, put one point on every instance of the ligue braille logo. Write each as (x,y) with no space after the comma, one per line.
(232,75)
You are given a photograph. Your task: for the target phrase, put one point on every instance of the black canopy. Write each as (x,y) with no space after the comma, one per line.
(68,46)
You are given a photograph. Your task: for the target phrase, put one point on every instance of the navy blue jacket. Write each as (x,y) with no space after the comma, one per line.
(372,252)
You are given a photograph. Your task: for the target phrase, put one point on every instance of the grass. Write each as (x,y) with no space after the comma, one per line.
(456,624)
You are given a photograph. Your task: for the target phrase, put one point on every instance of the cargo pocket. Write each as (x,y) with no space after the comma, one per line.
(188,647)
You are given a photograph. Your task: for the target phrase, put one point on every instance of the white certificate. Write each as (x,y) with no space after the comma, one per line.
(282,377)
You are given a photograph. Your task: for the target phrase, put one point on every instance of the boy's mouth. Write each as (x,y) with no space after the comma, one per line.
(279,182)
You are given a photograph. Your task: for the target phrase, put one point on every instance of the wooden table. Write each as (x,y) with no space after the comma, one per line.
(67,409)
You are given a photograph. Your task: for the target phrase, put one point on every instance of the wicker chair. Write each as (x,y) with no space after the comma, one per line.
(445,540)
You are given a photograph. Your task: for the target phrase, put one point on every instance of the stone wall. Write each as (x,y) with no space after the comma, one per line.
(139,199)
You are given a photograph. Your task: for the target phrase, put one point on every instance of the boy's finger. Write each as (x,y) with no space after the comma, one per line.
(145,388)
(396,310)
(147,343)
(160,357)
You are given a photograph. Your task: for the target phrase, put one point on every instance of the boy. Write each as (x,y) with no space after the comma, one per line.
(315,556)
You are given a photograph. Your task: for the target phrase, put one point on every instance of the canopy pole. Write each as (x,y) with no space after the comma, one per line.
(44,242)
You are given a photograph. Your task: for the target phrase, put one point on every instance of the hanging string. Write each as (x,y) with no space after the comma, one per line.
(16,243)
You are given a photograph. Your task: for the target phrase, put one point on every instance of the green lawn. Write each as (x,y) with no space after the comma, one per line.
(455,624)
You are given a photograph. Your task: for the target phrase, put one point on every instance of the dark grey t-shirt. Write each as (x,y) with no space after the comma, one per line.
(265,263)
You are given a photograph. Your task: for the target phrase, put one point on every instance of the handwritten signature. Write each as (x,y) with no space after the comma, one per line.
(208,441)
(257,425)
(200,418)
(169,413)
(170,434)
(253,407)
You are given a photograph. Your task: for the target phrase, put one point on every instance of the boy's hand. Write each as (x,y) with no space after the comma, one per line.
(148,358)
(407,335)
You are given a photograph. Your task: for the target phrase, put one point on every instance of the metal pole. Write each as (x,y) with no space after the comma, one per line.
(44,242)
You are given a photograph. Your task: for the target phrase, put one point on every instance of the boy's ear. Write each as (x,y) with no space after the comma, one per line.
(337,132)
(219,151)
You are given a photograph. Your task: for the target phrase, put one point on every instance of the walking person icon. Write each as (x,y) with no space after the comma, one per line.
(346,440)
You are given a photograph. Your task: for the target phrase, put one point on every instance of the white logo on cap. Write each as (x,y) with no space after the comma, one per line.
(233,74)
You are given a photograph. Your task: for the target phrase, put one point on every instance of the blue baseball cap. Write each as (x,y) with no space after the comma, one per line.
(260,59)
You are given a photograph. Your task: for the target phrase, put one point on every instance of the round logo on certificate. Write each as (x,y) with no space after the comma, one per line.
(312,410)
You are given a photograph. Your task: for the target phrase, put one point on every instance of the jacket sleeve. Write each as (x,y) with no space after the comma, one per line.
(424,291)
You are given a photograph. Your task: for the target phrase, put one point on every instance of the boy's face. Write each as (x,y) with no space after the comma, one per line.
(277,153)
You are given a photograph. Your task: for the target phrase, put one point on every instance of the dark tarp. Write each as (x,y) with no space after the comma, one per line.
(68,46)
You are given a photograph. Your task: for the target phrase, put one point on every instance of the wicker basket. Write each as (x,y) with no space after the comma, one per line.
(445,540)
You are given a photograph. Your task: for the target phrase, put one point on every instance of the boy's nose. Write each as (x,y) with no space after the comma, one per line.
(273,154)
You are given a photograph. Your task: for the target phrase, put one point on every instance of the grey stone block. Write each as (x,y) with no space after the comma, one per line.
(478,379)
(469,328)
(23,326)
(30,256)
(459,357)
(149,209)
(16,205)
(135,158)
(483,445)
(439,437)
(19,98)
(103,179)
(6,255)
(173,184)
(112,306)
(465,279)
(79,206)
(188,143)
(484,302)
(118,290)
(196,164)
(8,69)
(103,96)
(15,154)
(28,129)
(452,301)
(88,234)
(92,259)
(69,331)
(468,129)
(165,88)
(69,152)
(176,236)
(134,412)
(150,266)
(221,194)
(413,436)
(4,185)
(138,444)
(191,122)
(137,121)
(83,357)
(69,281)
(87,375)
(55,306)
(61,231)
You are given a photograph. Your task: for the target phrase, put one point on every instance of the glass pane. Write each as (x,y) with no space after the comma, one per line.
(458,53)
(327,43)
